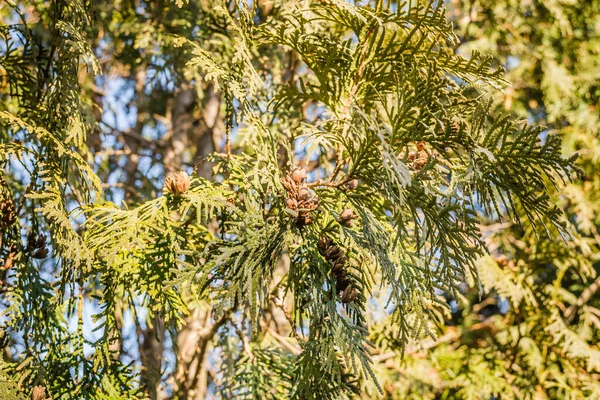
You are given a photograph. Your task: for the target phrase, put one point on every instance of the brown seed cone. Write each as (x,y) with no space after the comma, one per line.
(31,241)
(336,256)
(299,175)
(178,183)
(351,185)
(323,243)
(303,193)
(342,259)
(342,284)
(421,160)
(346,217)
(313,202)
(35,242)
(291,203)
(40,253)
(303,220)
(333,253)
(338,264)
(289,185)
(38,393)
(349,295)
(339,273)
(41,241)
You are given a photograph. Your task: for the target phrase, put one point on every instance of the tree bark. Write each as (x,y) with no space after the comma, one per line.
(151,354)
(130,142)
(199,130)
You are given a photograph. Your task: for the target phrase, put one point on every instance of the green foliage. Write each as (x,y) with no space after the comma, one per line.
(394,124)
(8,388)
(263,373)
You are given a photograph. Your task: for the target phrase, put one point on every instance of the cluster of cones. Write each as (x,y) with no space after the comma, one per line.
(36,246)
(178,183)
(301,200)
(420,157)
(336,257)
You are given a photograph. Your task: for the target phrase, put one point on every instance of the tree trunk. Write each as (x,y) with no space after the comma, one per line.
(194,337)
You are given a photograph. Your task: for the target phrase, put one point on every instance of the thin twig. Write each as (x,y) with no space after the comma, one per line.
(293,349)
(246,344)
(586,295)
(320,183)
(227,143)
(288,316)
(339,163)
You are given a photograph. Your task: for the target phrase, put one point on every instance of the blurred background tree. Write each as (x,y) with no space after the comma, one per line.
(174,79)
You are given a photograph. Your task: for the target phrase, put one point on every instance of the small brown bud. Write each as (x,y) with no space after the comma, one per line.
(323,243)
(421,160)
(291,203)
(338,270)
(40,253)
(178,183)
(341,276)
(420,145)
(342,284)
(40,242)
(333,253)
(303,193)
(288,183)
(342,260)
(31,241)
(303,220)
(36,245)
(349,295)
(346,217)
(38,393)
(313,202)
(351,185)
(347,214)
(299,175)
